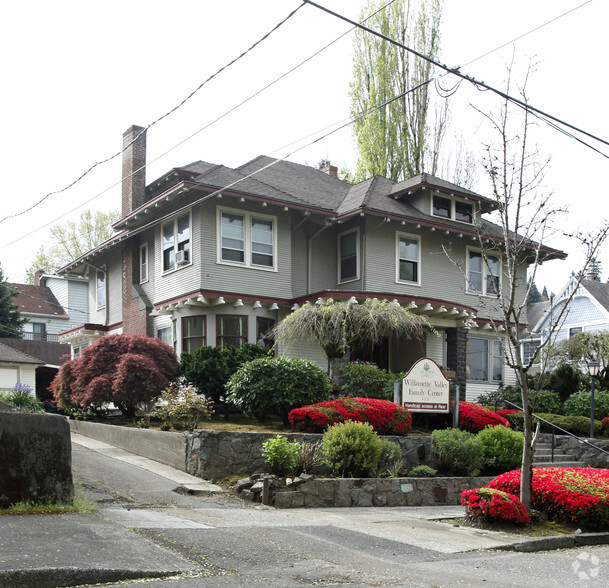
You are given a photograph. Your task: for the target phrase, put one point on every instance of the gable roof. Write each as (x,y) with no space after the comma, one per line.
(598,290)
(10,355)
(37,300)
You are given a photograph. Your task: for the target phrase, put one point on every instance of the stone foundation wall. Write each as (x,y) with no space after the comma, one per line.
(35,459)
(215,454)
(353,492)
(581,451)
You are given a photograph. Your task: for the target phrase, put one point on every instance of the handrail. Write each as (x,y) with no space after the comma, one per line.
(554,426)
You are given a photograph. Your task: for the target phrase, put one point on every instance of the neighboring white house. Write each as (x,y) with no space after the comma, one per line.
(17,367)
(209,255)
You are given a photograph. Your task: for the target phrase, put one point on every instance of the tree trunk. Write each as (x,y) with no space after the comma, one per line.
(526,471)
(334,373)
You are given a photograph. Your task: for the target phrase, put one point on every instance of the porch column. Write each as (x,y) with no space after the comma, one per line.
(456,356)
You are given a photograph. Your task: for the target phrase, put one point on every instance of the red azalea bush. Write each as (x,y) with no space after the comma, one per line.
(605,425)
(578,495)
(385,416)
(505,411)
(492,505)
(474,417)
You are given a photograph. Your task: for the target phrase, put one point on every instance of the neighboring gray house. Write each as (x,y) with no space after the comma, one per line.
(208,255)
(588,311)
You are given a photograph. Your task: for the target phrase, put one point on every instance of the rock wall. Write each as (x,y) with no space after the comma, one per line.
(581,451)
(35,459)
(353,492)
(215,454)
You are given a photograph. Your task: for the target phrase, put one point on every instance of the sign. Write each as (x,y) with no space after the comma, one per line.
(425,389)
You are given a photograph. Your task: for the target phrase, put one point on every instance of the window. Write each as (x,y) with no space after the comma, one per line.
(231,331)
(39,332)
(574,331)
(165,335)
(100,288)
(348,259)
(193,333)
(441,206)
(176,242)
(483,354)
(408,258)
(483,276)
(263,326)
(452,209)
(528,350)
(143,263)
(247,239)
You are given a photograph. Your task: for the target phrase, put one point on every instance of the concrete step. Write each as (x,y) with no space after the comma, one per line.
(562,464)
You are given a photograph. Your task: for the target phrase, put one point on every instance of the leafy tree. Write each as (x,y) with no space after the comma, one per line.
(71,240)
(11,322)
(124,369)
(396,141)
(338,326)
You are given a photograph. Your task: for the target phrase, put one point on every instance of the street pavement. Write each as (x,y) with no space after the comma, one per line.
(161,527)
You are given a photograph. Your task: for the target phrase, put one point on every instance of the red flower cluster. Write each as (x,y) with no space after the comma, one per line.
(605,424)
(505,411)
(579,495)
(474,417)
(491,504)
(385,416)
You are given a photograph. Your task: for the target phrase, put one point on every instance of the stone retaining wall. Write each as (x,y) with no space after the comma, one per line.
(215,454)
(581,451)
(353,492)
(35,459)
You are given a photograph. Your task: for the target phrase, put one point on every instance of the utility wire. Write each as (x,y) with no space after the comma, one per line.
(456,72)
(160,118)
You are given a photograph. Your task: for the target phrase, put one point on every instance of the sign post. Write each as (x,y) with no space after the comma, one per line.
(425,388)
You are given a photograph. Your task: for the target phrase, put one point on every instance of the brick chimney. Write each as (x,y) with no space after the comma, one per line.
(37,277)
(134,170)
(331,170)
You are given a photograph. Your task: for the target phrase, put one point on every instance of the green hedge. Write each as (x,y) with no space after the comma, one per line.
(577,425)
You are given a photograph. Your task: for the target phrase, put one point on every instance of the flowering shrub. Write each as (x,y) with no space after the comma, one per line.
(491,505)
(605,425)
(578,495)
(505,411)
(385,417)
(22,399)
(474,417)
(181,406)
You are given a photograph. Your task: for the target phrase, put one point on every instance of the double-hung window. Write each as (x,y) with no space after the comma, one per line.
(484,359)
(483,273)
(100,288)
(176,242)
(193,333)
(247,239)
(231,331)
(348,256)
(408,253)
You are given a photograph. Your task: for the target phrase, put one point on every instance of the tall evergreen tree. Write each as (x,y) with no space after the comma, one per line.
(397,141)
(11,322)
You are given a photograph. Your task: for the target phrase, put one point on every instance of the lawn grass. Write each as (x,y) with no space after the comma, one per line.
(80,504)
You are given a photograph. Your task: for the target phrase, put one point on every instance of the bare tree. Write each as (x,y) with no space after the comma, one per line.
(525,218)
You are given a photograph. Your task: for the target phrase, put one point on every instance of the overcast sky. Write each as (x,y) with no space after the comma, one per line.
(77,74)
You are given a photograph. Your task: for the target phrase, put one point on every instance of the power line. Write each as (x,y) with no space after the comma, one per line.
(456,72)
(160,118)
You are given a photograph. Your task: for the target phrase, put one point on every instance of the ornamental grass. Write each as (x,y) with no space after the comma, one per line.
(386,417)
(571,495)
(491,506)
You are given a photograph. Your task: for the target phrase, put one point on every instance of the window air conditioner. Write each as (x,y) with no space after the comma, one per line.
(182,257)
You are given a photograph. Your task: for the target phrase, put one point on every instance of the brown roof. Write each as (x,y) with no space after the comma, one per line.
(10,355)
(37,300)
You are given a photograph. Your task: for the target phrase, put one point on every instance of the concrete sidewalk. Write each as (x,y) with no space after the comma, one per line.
(117,542)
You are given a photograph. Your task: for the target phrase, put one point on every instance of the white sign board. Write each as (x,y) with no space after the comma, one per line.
(425,389)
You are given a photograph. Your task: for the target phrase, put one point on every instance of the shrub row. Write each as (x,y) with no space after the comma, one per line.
(578,425)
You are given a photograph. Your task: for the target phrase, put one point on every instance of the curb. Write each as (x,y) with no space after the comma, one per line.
(557,542)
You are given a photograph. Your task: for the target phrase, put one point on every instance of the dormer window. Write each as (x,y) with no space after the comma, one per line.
(453,209)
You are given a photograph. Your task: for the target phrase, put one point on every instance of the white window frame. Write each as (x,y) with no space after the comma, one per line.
(469,288)
(417,238)
(247,238)
(491,356)
(339,277)
(100,300)
(453,208)
(144,263)
(176,244)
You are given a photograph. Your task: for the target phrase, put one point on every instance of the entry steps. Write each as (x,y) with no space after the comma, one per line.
(542,458)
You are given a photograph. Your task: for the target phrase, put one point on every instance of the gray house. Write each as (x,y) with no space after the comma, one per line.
(208,255)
